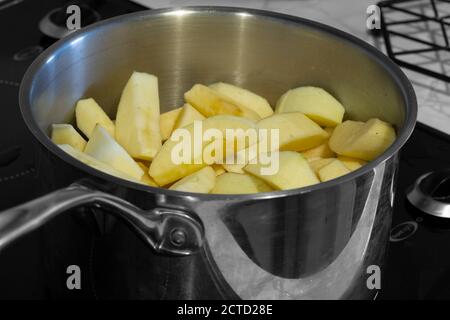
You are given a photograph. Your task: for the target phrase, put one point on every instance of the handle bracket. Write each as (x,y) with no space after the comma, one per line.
(166,230)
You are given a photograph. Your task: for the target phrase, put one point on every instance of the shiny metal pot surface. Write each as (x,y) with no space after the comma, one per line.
(312,242)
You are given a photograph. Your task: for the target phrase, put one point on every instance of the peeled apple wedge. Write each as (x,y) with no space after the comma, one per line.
(66,134)
(352,164)
(238,159)
(360,140)
(165,172)
(167,122)
(211,103)
(333,170)
(137,120)
(244,97)
(293,172)
(163,169)
(146,179)
(296,131)
(235,183)
(187,116)
(244,134)
(218,169)
(345,132)
(315,103)
(201,181)
(318,163)
(88,114)
(234,168)
(224,122)
(329,130)
(321,151)
(94,163)
(104,148)
(245,156)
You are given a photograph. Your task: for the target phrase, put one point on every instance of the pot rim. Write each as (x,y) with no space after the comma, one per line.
(394,71)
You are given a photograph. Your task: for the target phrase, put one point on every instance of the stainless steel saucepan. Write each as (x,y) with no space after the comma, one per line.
(312,242)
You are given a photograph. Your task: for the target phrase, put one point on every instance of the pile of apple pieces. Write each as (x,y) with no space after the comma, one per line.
(314,143)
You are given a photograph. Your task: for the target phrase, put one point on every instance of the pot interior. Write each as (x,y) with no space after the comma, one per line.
(265,54)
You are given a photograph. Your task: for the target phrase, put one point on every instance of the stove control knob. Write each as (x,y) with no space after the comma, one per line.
(4,4)
(431,193)
(54,23)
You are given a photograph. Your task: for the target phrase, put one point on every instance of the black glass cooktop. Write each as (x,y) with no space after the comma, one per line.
(22,40)
(418,266)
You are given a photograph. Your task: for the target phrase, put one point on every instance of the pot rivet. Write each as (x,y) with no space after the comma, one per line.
(178,237)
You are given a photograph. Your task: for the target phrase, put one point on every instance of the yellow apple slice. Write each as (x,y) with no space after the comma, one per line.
(315,103)
(318,163)
(293,172)
(137,121)
(165,169)
(296,131)
(94,163)
(218,169)
(88,114)
(211,103)
(244,98)
(352,164)
(187,116)
(167,122)
(360,140)
(146,179)
(234,168)
(241,160)
(104,148)
(321,151)
(66,134)
(235,183)
(332,170)
(169,165)
(329,130)
(201,181)
(344,133)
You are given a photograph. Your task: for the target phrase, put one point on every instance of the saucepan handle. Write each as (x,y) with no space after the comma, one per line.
(168,231)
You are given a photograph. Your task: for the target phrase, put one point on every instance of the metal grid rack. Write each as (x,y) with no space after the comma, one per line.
(416,35)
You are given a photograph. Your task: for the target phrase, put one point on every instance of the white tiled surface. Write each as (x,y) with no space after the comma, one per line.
(348,15)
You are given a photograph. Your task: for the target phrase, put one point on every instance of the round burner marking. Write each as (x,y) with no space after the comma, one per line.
(403,231)
(8,3)
(28,53)
(9,83)
(17,175)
